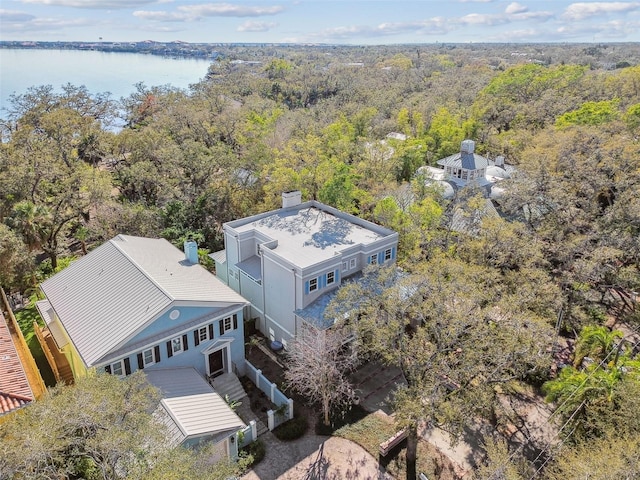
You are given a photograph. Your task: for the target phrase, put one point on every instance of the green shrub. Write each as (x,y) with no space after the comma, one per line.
(291,429)
(254,453)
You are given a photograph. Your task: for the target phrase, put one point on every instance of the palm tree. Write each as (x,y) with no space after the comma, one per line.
(30,220)
(579,392)
(597,343)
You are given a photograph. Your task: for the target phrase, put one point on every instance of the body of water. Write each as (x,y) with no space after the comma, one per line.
(100,72)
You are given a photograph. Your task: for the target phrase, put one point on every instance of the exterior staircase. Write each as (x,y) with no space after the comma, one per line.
(228,387)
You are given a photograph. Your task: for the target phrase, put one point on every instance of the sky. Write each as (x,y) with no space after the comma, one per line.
(353,22)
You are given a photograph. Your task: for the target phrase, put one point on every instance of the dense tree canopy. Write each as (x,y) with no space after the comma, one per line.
(100,428)
(349,126)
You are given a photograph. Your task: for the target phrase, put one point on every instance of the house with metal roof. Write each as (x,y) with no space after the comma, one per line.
(287,260)
(464,168)
(139,303)
(193,412)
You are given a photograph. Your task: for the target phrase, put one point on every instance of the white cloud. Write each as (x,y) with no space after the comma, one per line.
(514,8)
(582,10)
(94,4)
(14,16)
(608,30)
(46,25)
(161,16)
(432,26)
(229,10)
(256,26)
(514,12)
(518,36)
(190,13)
(484,19)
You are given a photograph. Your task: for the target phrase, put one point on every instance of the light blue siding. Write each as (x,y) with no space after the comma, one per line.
(192,356)
(164,323)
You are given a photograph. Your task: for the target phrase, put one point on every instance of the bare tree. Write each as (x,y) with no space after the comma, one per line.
(319,362)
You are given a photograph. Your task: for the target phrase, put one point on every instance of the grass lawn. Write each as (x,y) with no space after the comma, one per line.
(25,318)
(370,431)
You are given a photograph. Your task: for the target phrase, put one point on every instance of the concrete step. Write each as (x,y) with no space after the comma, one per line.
(228,385)
(261,427)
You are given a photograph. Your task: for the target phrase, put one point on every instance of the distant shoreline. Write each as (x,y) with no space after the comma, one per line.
(171,49)
(212,51)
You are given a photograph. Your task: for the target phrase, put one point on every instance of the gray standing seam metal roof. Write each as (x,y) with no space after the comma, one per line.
(105,297)
(314,312)
(468,161)
(220,256)
(193,406)
(465,221)
(309,234)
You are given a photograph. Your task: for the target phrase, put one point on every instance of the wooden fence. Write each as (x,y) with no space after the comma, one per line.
(28,363)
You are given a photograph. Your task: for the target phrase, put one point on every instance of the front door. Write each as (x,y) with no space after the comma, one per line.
(216,363)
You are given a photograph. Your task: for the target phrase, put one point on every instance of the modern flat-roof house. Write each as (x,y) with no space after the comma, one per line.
(138,303)
(287,262)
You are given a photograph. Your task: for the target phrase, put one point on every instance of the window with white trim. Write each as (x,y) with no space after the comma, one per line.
(117,368)
(313,284)
(387,254)
(176,345)
(203,334)
(331,278)
(352,263)
(148,357)
(345,266)
(227,324)
(373,259)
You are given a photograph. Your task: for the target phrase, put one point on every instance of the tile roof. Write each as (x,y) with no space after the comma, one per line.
(105,297)
(15,391)
(12,401)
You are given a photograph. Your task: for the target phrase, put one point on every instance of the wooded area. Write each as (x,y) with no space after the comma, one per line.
(77,168)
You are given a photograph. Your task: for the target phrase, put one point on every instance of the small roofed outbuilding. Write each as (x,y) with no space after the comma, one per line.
(192,411)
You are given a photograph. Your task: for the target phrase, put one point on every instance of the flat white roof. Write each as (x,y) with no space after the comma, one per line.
(311,232)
